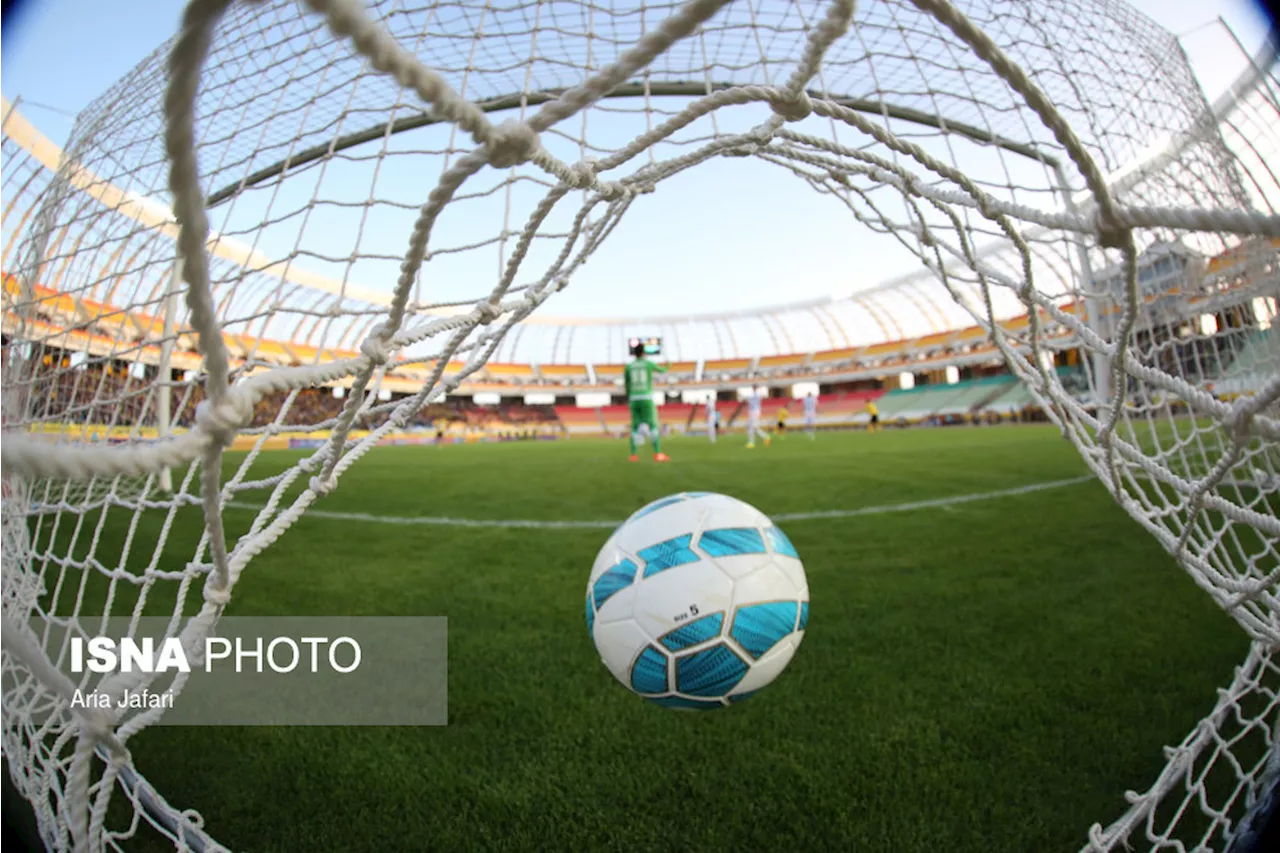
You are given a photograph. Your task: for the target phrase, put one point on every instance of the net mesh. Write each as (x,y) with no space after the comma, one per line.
(293,197)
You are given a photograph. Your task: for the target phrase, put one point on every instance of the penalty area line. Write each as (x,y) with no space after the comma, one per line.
(933,503)
(548,524)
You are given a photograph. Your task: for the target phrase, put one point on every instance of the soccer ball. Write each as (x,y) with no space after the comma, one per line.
(697,601)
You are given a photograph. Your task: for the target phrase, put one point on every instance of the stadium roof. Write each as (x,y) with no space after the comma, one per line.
(278,274)
(906,307)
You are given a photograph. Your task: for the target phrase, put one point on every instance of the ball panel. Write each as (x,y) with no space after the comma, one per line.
(694,633)
(619,643)
(619,606)
(654,507)
(804,616)
(660,525)
(621,576)
(649,672)
(713,672)
(609,556)
(591,615)
(731,542)
(794,570)
(738,567)
(779,542)
(722,511)
(667,555)
(671,599)
(767,583)
(763,672)
(759,627)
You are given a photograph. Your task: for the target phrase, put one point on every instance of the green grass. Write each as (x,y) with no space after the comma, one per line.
(991,675)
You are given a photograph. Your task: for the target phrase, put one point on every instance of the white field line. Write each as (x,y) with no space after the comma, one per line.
(537,524)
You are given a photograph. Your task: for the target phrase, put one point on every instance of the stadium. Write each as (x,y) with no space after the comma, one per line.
(275,346)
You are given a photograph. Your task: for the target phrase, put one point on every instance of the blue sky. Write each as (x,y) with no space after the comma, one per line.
(677,252)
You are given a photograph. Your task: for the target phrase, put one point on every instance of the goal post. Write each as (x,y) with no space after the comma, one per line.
(293,197)
(164,369)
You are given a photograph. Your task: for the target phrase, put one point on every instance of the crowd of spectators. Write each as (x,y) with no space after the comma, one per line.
(105,394)
(312,406)
(91,395)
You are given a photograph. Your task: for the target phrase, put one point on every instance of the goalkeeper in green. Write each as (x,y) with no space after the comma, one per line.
(639,383)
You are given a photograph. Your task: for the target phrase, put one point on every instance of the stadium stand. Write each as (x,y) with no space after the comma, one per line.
(845,408)
(88,333)
(1013,401)
(780,364)
(1000,396)
(680,371)
(913,405)
(1250,363)
(579,421)
(616,419)
(675,416)
(770,407)
(725,367)
(972,396)
(825,360)
(730,411)
(567,374)
(514,373)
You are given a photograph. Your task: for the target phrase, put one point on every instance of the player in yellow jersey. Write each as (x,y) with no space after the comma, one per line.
(873,425)
(783,414)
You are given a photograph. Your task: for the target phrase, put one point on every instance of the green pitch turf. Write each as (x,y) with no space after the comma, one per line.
(988,675)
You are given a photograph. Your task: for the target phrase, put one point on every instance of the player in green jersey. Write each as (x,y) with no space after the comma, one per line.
(639,383)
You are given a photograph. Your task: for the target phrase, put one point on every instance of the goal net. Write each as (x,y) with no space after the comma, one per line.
(291,198)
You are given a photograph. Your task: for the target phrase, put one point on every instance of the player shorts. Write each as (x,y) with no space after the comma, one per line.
(875,419)
(782,425)
(644,412)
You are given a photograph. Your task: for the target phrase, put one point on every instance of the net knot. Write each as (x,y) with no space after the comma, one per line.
(1241,419)
(375,347)
(215,595)
(321,487)
(791,106)
(756,139)
(613,191)
(582,175)
(488,312)
(512,143)
(223,421)
(98,727)
(1112,235)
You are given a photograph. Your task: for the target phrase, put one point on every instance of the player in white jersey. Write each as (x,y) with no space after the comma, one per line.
(753,420)
(711,418)
(811,415)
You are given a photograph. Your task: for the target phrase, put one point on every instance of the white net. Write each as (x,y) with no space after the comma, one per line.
(292,196)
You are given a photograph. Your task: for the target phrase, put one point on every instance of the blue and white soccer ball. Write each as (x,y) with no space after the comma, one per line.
(697,601)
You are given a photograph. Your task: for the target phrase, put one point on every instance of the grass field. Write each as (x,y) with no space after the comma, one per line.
(986,675)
